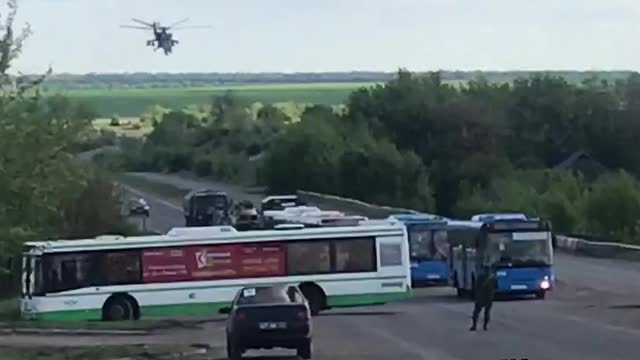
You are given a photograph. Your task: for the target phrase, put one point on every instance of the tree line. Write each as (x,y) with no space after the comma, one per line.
(63,81)
(44,192)
(417,141)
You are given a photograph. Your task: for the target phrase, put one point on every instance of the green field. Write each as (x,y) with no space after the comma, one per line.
(133,102)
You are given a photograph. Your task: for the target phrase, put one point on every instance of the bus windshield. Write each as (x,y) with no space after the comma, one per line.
(426,243)
(506,249)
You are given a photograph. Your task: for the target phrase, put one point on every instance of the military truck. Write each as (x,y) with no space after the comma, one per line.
(207,208)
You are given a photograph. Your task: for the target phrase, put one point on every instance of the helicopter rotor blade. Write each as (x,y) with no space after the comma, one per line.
(134,27)
(191,27)
(142,22)
(178,23)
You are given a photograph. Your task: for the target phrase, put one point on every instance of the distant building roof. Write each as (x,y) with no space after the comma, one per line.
(581,161)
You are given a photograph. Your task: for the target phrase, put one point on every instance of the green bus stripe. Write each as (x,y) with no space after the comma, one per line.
(210,309)
(217,286)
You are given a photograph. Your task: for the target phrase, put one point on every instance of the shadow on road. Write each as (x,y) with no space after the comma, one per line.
(624,307)
(359,313)
(261,357)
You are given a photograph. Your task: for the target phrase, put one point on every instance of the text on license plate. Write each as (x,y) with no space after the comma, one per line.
(272,325)
(518,287)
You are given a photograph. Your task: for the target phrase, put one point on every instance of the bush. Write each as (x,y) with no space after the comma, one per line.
(254,149)
(96,209)
(225,169)
(203,167)
(612,208)
(179,161)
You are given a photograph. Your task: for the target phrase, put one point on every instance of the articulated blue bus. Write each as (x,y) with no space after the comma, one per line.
(519,250)
(428,247)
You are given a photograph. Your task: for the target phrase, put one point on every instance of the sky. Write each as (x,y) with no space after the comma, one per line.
(81,36)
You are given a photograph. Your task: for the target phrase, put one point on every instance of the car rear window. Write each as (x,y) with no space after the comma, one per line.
(269,295)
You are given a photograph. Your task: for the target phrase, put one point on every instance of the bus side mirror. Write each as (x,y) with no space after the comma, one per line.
(224,310)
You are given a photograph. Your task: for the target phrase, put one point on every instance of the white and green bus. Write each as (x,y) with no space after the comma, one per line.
(196,271)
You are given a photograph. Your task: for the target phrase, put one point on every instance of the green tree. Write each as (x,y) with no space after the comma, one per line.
(305,157)
(612,208)
(44,192)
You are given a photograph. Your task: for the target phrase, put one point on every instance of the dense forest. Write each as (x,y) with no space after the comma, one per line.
(541,145)
(165,80)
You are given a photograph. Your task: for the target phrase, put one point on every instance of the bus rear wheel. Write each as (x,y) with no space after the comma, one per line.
(118,309)
(315,296)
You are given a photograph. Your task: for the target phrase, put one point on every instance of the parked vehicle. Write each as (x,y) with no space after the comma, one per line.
(207,208)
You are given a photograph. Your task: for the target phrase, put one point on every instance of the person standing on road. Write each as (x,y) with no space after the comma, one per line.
(486,284)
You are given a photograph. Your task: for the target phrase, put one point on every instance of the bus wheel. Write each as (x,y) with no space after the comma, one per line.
(315,296)
(118,308)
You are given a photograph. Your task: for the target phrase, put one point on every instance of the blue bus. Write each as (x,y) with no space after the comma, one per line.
(519,250)
(428,247)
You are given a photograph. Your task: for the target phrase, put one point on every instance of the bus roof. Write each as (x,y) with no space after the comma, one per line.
(464,224)
(213,237)
(419,218)
(200,231)
(498,216)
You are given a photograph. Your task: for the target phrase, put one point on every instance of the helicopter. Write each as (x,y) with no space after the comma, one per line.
(163,38)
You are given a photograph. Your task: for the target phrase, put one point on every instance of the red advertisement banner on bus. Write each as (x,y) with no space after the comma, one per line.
(212,262)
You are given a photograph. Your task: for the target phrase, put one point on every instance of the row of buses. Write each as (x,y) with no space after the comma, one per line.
(335,259)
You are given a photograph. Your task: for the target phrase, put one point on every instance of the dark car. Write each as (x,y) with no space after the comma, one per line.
(138,207)
(267,317)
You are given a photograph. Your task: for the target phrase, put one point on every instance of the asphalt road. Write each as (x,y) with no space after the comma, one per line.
(590,316)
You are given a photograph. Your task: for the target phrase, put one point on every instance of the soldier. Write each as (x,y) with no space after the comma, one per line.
(485,291)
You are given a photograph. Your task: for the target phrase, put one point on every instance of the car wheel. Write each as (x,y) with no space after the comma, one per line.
(304,349)
(541,294)
(233,350)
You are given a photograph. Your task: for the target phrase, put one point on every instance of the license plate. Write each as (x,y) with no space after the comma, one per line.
(272,325)
(518,287)
(433,276)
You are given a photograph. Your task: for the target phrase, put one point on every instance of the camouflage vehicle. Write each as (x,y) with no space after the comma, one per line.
(207,208)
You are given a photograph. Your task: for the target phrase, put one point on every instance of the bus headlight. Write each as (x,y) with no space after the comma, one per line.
(545,284)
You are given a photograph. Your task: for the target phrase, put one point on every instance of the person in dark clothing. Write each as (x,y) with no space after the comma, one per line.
(486,284)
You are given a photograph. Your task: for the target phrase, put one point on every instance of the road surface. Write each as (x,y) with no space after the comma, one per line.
(590,316)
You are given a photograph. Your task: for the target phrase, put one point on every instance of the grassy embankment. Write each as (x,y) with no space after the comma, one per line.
(95,352)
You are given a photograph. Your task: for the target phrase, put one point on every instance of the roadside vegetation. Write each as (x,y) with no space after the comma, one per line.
(541,145)
(96,352)
(44,192)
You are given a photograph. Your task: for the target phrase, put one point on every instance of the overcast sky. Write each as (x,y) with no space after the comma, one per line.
(82,36)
